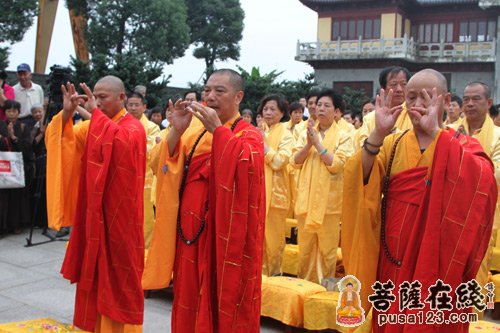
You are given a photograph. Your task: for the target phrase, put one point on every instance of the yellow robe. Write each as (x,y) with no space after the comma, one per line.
(65,147)
(361,213)
(297,129)
(319,203)
(154,154)
(152,131)
(489,138)
(278,197)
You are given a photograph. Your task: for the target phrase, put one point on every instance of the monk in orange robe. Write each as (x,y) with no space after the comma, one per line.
(106,157)
(210,213)
(439,195)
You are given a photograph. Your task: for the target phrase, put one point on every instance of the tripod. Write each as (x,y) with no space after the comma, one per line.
(39,191)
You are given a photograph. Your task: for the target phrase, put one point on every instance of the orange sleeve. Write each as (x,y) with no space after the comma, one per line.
(65,147)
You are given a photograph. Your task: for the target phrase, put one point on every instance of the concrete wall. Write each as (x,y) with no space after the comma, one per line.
(326,77)
(325,29)
(459,80)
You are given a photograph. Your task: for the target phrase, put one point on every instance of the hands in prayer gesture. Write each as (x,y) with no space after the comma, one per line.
(385,116)
(71,99)
(428,112)
(180,117)
(312,134)
(206,115)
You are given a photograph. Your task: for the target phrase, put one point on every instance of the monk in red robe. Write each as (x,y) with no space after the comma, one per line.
(210,213)
(105,159)
(435,220)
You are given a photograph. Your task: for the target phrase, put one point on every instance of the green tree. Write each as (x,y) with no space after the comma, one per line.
(354,99)
(16,17)
(258,85)
(133,39)
(216,29)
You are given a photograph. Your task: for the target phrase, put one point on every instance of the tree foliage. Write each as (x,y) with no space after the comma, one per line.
(258,85)
(354,99)
(16,17)
(132,39)
(216,29)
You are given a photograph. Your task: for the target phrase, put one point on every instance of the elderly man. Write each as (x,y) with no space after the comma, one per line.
(211,182)
(439,195)
(27,93)
(95,182)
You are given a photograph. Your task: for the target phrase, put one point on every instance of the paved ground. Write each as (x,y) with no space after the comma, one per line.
(31,287)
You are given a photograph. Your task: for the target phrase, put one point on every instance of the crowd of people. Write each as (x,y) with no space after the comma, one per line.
(202,191)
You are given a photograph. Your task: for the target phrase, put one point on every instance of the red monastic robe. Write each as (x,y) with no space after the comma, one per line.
(217,280)
(438,224)
(105,255)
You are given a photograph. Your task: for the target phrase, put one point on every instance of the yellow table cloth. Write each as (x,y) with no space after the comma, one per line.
(283,298)
(42,325)
(495,260)
(483,327)
(320,311)
(290,262)
(496,281)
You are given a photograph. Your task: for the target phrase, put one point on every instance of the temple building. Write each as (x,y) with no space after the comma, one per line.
(357,38)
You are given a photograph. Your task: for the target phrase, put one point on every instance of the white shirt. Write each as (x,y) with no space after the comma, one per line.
(28,98)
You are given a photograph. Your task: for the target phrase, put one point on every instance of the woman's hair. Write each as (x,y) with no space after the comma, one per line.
(12,104)
(282,105)
(338,101)
(156,109)
(296,106)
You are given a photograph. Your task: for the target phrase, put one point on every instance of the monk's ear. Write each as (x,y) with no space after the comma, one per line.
(239,97)
(490,102)
(123,97)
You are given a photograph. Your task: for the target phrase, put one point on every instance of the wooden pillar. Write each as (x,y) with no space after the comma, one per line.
(46,19)
(78,27)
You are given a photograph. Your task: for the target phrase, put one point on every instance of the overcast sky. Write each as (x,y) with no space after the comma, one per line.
(272,28)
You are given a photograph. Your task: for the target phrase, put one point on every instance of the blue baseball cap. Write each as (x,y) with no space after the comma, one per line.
(24,68)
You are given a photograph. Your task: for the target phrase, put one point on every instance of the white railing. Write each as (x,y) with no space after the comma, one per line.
(396,48)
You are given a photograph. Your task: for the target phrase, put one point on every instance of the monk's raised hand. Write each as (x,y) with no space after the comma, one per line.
(385,116)
(71,99)
(206,115)
(426,114)
(90,102)
(179,117)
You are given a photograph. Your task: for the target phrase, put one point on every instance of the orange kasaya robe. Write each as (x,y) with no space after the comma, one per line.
(217,278)
(438,223)
(105,254)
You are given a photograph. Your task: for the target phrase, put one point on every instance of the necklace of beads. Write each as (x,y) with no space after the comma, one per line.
(385,188)
(181,191)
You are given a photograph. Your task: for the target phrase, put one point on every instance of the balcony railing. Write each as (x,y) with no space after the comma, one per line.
(404,48)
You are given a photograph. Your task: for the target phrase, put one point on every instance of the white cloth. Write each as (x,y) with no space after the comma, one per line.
(28,98)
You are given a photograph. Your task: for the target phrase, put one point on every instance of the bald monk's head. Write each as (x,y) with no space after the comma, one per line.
(426,79)
(110,95)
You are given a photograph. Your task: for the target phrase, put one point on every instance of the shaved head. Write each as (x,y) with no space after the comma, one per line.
(113,83)
(433,79)
(110,95)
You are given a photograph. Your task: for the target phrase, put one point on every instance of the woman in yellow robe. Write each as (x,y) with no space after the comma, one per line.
(320,153)
(278,144)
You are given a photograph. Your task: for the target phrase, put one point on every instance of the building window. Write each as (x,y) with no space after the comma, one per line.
(353,29)
(477,31)
(433,32)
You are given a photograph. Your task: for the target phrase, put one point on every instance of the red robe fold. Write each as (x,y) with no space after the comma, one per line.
(217,280)
(438,224)
(105,255)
